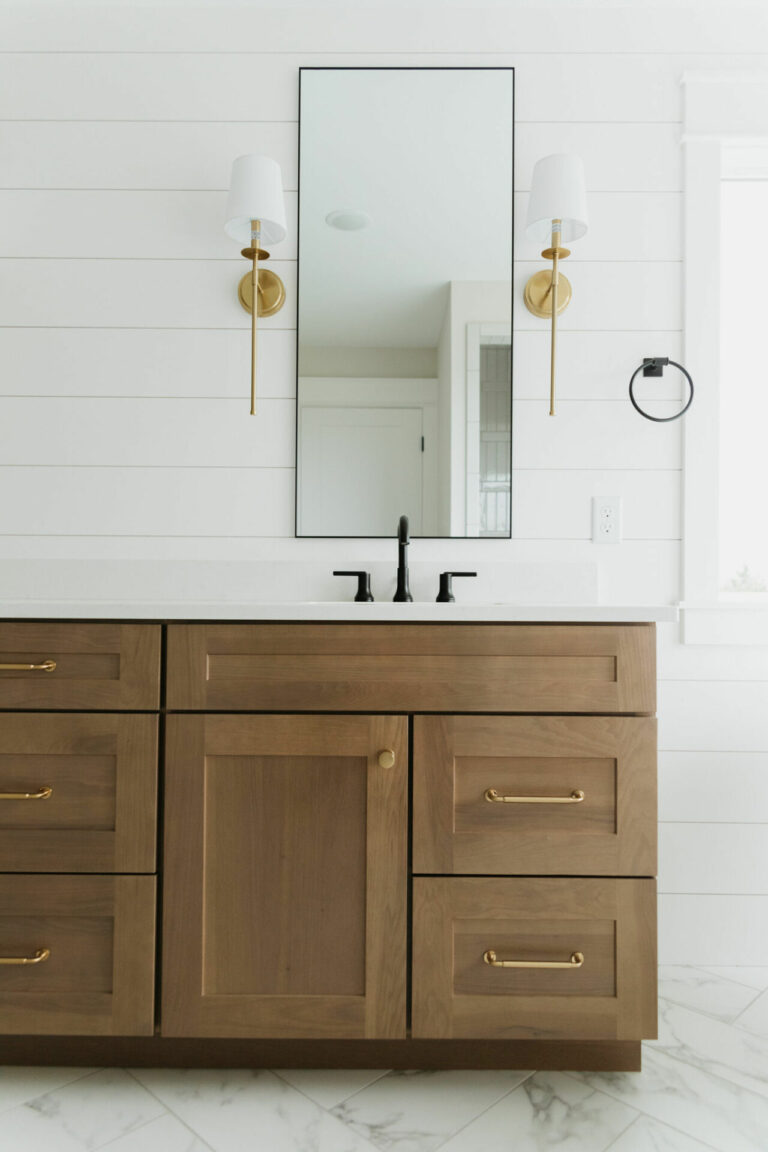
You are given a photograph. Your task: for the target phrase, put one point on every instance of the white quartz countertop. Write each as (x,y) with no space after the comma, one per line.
(423,612)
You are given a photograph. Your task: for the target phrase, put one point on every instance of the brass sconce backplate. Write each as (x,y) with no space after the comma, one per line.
(271,292)
(538,294)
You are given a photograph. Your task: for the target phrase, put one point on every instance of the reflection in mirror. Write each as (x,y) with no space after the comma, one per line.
(404,399)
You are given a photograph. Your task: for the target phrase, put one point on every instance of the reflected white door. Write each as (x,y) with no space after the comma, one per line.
(361,469)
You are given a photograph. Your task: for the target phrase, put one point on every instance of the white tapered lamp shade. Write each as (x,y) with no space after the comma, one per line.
(558,192)
(256,193)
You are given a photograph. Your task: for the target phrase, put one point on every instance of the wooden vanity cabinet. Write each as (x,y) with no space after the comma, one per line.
(384,845)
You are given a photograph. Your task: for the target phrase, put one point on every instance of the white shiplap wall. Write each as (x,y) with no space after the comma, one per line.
(123,354)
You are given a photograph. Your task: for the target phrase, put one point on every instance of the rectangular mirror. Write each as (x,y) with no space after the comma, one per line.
(404,392)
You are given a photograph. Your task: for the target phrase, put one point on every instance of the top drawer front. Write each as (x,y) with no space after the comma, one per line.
(97,666)
(413,667)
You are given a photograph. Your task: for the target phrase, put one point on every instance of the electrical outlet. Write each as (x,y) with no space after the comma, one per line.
(606,520)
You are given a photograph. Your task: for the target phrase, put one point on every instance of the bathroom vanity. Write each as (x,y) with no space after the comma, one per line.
(329,842)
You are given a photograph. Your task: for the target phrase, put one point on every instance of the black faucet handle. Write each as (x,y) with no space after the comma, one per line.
(364,594)
(445,595)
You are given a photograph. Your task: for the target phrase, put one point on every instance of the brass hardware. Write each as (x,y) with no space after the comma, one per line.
(576,961)
(386,758)
(42,794)
(575,797)
(269,291)
(46,666)
(547,295)
(39,956)
(537,294)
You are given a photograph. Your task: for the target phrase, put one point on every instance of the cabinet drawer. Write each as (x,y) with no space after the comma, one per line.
(77,793)
(98,975)
(601,934)
(79,666)
(412,667)
(548,795)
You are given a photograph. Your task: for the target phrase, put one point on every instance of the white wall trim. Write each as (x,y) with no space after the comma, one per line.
(718,110)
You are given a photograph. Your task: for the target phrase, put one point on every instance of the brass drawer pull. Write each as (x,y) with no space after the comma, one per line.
(576,961)
(39,956)
(575,797)
(386,758)
(42,794)
(46,666)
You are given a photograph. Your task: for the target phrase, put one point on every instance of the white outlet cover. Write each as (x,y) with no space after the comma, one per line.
(606,520)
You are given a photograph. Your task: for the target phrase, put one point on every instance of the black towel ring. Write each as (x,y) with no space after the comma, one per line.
(654,366)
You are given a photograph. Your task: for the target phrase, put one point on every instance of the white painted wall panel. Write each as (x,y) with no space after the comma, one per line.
(696,928)
(622,226)
(587,432)
(134,294)
(697,662)
(719,859)
(98,502)
(558,504)
(713,715)
(593,365)
(580,30)
(610,295)
(139,86)
(132,432)
(128,225)
(138,154)
(260,86)
(139,362)
(713,787)
(618,157)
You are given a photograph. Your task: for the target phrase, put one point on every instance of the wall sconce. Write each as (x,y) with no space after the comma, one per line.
(557,211)
(256,212)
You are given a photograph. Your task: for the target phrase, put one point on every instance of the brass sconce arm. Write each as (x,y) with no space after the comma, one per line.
(548,294)
(266,288)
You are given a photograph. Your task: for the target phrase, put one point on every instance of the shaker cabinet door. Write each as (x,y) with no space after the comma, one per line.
(285,894)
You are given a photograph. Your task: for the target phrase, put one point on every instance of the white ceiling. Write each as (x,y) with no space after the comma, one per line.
(427,154)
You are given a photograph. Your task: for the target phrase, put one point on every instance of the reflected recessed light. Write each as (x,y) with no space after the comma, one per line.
(348,219)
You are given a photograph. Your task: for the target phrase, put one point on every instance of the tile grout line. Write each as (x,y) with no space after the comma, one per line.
(624,1131)
(504,1096)
(738,983)
(167,1110)
(130,1131)
(664,1124)
(357,1091)
(732,1084)
(650,1115)
(748,1031)
(38,1095)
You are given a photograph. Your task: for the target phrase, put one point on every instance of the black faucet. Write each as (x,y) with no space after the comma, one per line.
(403,592)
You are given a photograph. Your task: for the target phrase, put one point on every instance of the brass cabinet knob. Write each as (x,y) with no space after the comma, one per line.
(386,758)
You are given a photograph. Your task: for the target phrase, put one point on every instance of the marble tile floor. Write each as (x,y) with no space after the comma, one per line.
(704,1087)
